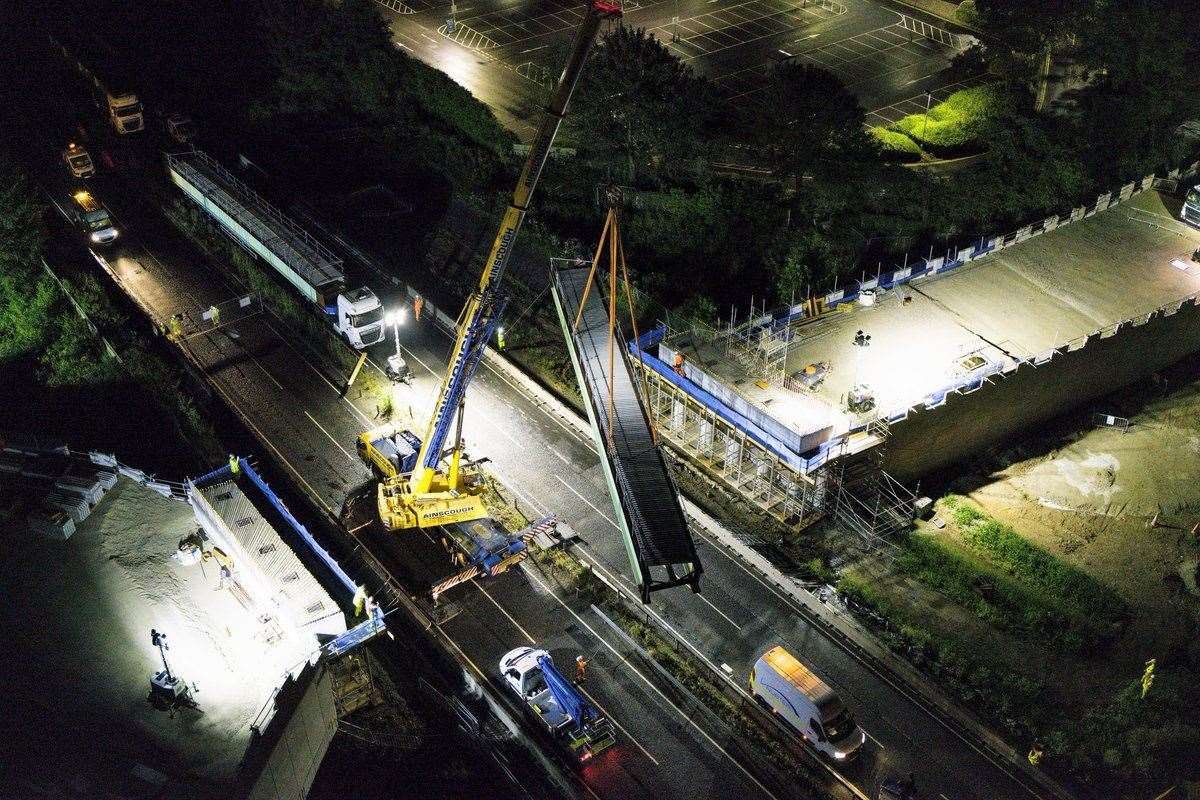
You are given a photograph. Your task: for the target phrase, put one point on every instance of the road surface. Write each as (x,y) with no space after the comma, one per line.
(296,409)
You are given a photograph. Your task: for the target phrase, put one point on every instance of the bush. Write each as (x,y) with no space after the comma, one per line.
(993,596)
(1132,735)
(1067,584)
(975,679)
(955,126)
(896,145)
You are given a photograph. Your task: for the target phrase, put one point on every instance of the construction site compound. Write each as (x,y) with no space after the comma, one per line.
(930,365)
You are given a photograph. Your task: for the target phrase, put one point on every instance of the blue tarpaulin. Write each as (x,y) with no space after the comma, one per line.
(226,473)
(718,407)
(567,696)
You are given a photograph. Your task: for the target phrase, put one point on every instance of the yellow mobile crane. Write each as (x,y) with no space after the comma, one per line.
(419,493)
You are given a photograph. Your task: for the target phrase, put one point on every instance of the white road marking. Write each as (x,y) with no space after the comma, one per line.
(507,616)
(650,683)
(613,719)
(321,427)
(589,502)
(529,501)
(708,602)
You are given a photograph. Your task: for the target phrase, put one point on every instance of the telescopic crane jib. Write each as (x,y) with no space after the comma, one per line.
(429,495)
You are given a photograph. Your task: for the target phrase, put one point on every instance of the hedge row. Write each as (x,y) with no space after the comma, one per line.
(896,146)
(1016,700)
(953,127)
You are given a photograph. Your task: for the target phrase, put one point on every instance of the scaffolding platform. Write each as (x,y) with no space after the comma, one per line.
(659,543)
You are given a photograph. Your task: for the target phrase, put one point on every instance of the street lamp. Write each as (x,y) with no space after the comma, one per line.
(860,399)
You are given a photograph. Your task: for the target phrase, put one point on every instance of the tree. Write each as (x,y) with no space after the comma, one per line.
(640,112)
(809,119)
(1031,25)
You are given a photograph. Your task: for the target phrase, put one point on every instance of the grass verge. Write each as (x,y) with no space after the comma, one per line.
(1052,577)
(954,127)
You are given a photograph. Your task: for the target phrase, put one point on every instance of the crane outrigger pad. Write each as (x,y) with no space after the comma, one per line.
(650,516)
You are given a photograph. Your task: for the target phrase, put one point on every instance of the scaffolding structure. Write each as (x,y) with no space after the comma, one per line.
(760,348)
(866,501)
(731,458)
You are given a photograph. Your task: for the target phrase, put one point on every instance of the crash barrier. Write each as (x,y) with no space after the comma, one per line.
(955,257)
(34,446)
(65,288)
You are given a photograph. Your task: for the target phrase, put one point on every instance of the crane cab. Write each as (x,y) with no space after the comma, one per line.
(400,508)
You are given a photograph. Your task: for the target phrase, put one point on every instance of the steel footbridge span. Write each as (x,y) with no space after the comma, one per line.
(648,511)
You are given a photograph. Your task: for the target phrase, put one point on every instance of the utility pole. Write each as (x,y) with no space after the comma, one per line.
(924,131)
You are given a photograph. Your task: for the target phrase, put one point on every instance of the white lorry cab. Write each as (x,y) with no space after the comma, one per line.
(569,717)
(793,691)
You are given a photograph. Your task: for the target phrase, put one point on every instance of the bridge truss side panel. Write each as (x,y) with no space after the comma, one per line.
(657,539)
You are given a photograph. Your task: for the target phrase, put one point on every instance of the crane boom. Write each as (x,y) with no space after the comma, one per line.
(429,496)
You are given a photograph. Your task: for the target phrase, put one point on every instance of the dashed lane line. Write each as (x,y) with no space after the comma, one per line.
(321,427)
(575,492)
(613,719)
(508,616)
(651,684)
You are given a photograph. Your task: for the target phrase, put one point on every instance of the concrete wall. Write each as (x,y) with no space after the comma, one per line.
(294,741)
(930,439)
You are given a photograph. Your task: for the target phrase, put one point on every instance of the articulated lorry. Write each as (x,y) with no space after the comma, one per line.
(101,65)
(556,703)
(266,232)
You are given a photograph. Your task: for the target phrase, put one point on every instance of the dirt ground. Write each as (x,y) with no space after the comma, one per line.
(1122,504)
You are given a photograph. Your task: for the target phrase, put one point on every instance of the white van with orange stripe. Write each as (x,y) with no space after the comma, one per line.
(793,691)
